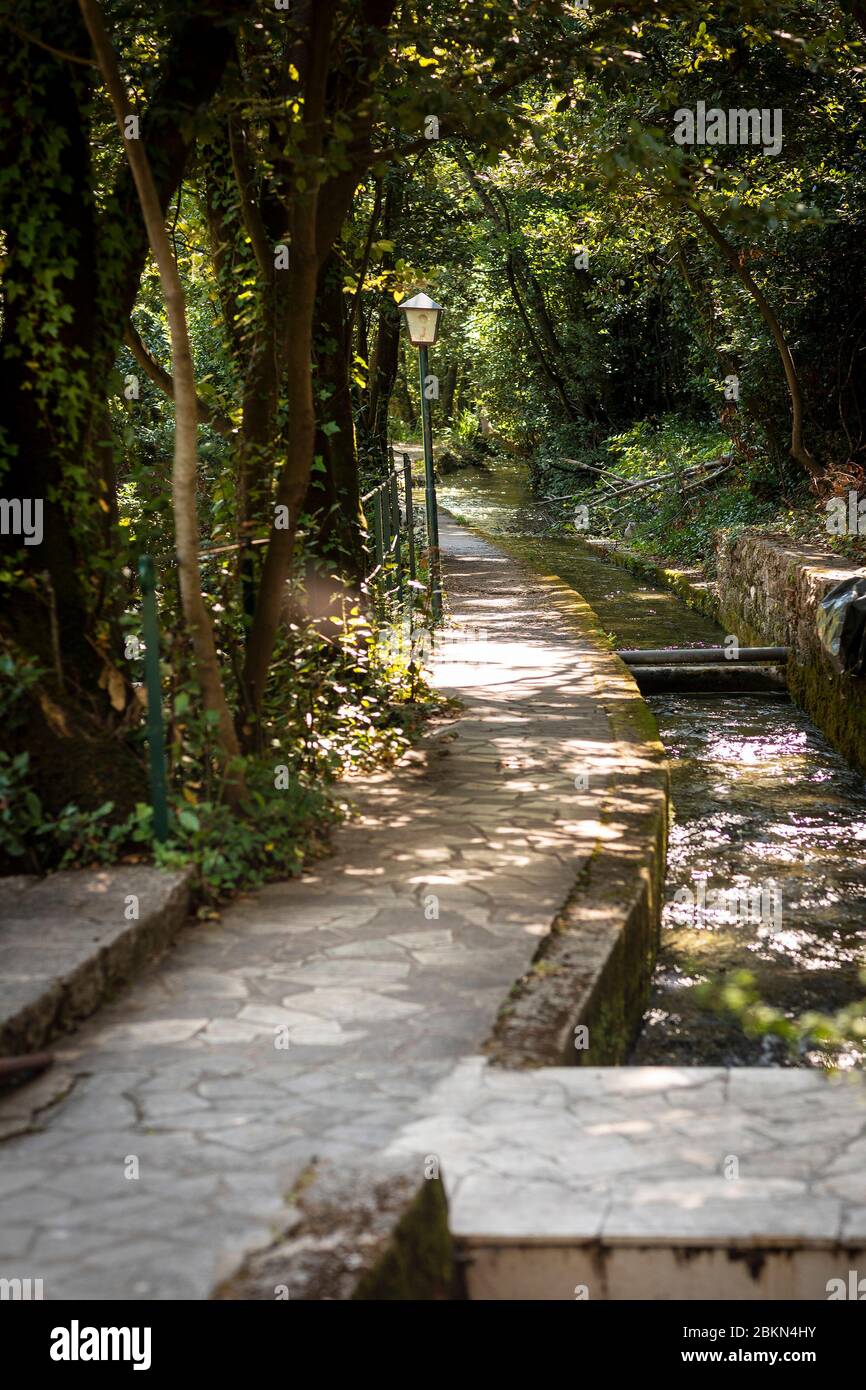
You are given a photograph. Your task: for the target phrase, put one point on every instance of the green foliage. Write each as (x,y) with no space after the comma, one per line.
(650,447)
(836,1038)
(20,810)
(657,318)
(464,429)
(229,851)
(555,136)
(681,520)
(226,850)
(334,708)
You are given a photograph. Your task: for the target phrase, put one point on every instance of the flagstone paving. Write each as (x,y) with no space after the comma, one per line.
(176,1124)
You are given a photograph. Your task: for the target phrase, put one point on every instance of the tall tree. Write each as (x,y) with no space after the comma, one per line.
(185,471)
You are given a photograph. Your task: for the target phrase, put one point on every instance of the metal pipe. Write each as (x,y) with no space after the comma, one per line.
(733,679)
(704,656)
(24,1063)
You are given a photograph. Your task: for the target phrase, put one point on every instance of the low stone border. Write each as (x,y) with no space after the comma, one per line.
(690,585)
(69,940)
(595,965)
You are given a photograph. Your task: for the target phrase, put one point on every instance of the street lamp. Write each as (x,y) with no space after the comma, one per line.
(422,319)
(422,315)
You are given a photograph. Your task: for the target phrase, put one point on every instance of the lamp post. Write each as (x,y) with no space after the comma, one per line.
(422,315)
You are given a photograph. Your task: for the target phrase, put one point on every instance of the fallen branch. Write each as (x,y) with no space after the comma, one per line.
(692,487)
(579,467)
(656,480)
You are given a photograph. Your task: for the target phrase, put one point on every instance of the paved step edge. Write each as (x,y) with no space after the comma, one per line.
(78,991)
(353,1236)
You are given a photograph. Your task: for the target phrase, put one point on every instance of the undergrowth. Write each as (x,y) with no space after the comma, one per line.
(336,706)
(677,525)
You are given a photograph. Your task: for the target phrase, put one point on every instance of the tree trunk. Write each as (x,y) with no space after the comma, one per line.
(403,396)
(303,279)
(383,372)
(799,452)
(448,390)
(333,497)
(386,354)
(186,416)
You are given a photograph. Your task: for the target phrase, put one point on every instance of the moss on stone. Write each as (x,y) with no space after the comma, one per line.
(418,1261)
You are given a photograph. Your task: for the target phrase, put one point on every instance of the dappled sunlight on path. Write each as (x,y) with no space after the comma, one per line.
(318,1014)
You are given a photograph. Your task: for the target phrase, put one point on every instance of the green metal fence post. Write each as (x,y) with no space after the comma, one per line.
(385,505)
(432,512)
(394,505)
(410,512)
(155,729)
(377,526)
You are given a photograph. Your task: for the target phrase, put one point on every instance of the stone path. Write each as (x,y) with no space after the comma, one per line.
(184,1125)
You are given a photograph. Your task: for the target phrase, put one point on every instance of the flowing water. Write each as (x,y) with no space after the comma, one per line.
(767,854)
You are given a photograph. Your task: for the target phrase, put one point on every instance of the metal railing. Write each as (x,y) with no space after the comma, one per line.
(393,555)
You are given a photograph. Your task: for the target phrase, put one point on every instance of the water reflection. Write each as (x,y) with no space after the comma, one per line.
(766,867)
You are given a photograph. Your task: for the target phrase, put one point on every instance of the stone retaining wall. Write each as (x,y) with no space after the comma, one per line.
(769,588)
(766,592)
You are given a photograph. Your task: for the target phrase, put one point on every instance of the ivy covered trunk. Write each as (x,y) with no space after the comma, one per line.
(70,278)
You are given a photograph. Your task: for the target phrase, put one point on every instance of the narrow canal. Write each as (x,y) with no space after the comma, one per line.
(762,805)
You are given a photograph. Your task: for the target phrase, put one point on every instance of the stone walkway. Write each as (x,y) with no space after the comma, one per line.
(176,1126)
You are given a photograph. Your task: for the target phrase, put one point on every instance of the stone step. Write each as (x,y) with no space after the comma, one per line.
(70,940)
(651,1182)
